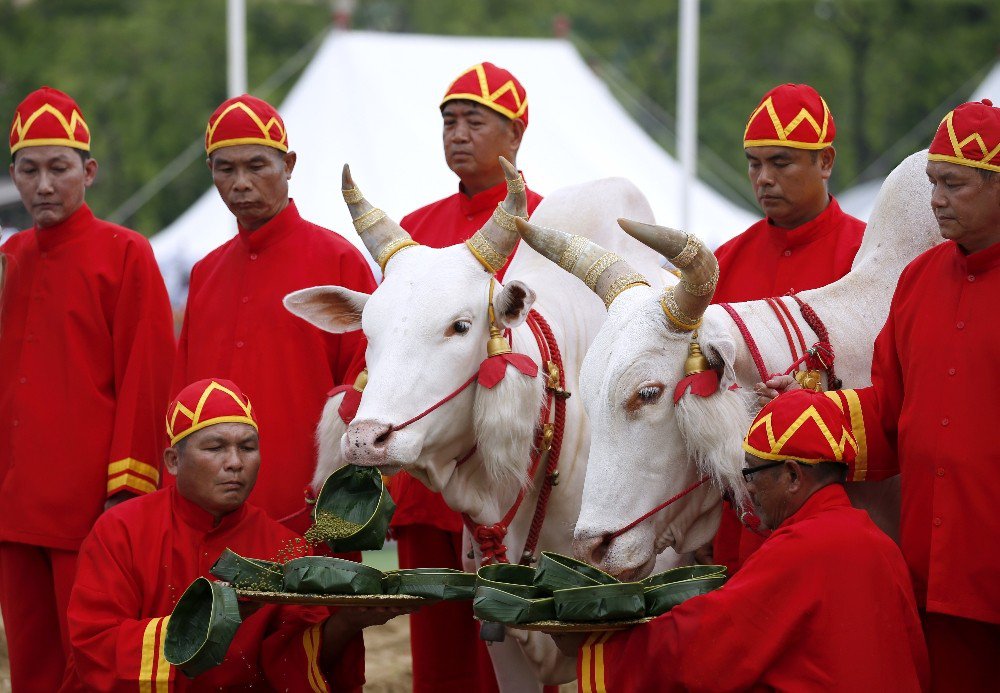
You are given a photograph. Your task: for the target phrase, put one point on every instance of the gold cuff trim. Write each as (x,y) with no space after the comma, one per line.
(133,465)
(576,247)
(597,269)
(622,283)
(352,196)
(391,249)
(687,254)
(675,315)
(515,185)
(132,481)
(702,289)
(368,219)
(504,219)
(489,257)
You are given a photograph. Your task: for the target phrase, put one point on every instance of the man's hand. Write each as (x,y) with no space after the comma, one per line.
(117,498)
(771,388)
(348,621)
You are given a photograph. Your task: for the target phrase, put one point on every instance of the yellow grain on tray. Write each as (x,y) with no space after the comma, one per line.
(329,526)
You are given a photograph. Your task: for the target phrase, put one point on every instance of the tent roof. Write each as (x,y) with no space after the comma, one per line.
(371,99)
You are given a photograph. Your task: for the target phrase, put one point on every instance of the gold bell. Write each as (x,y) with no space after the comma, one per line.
(361,380)
(809,380)
(497,344)
(696,361)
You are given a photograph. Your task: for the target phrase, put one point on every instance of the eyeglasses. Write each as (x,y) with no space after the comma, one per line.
(750,471)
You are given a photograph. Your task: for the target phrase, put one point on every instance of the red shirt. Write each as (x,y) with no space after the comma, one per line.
(441,224)
(764,261)
(826,604)
(236,327)
(931,415)
(87,339)
(136,564)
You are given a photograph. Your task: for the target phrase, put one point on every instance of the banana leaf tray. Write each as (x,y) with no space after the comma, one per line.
(576,627)
(333,599)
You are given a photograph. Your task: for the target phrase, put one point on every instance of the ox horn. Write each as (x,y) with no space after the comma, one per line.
(381,235)
(684,304)
(493,244)
(606,273)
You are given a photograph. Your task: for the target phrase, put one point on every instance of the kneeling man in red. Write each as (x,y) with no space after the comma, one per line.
(140,556)
(826,603)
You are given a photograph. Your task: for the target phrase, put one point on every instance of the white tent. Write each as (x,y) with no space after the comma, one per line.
(371,99)
(860,199)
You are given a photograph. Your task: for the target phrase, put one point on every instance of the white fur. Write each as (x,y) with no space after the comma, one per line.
(328,434)
(504,434)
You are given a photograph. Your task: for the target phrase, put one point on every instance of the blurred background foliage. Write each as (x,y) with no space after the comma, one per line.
(147,73)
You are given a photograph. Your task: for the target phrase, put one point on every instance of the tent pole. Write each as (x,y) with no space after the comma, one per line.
(236,29)
(687,104)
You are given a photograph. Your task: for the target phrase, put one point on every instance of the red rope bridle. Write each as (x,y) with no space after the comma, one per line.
(545,455)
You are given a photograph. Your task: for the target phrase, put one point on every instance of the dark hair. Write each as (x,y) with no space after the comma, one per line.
(988,175)
(84,155)
(832,472)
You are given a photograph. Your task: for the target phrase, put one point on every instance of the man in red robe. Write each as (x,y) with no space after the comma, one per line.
(485,113)
(141,556)
(86,335)
(805,240)
(236,326)
(930,414)
(826,604)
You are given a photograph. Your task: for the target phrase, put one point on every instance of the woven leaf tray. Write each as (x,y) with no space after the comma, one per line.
(333,599)
(576,627)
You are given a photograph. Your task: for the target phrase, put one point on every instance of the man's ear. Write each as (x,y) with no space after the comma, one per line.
(794,475)
(89,172)
(826,159)
(330,308)
(290,159)
(170,460)
(512,304)
(516,135)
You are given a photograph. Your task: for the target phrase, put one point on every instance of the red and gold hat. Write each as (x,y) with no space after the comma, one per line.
(245,120)
(493,87)
(969,136)
(801,425)
(49,117)
(792,115)
(206,403)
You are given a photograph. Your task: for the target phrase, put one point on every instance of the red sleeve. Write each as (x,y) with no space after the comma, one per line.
(291,656)
(143,339)
(112,647)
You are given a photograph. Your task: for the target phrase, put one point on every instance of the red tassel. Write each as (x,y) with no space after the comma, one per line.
(493,369)
(702,384)
(349,406)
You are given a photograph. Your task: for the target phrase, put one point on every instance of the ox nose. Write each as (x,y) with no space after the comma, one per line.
(590,549)
(367,441)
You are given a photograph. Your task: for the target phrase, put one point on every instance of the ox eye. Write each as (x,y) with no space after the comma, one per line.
(460,327)
(647,394)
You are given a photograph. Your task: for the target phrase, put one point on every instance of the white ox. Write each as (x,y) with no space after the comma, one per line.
(427,327)
(644,449)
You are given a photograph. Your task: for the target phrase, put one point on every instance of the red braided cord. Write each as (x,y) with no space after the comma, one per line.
(814,321)
(748,338)
(435,406)
(772,304)
(793,321)
(661,506)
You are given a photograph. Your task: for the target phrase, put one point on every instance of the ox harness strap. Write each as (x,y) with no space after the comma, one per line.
(545,454)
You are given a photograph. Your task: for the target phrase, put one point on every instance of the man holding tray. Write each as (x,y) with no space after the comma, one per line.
(140,557)
(826,603)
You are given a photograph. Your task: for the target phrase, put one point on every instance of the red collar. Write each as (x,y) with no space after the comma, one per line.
(832,496)
(981,261)
(809,231)
(274,229)
(75,224)
(486,201)
(201,520)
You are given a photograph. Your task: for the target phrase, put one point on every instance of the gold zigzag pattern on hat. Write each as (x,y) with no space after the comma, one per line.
(960,157)
(837,447)
(195,416)
(489,98)
(19,128)
(783,131)
(264,129)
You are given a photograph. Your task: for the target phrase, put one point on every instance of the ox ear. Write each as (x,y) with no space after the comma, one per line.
(512,304)
(721,354)
(330,308)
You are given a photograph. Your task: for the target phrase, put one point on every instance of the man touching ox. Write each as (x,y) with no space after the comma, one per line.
(484,115)
(87,333)
(805,240)
(235,325)
(930,414)
(826,604)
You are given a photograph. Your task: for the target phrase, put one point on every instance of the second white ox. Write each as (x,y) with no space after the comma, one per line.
(644,449)
(427,327)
